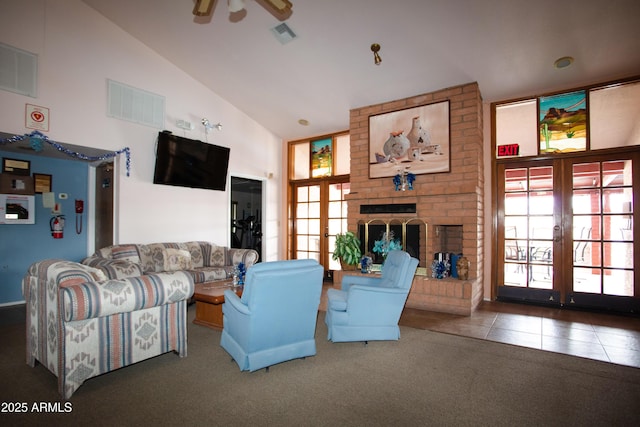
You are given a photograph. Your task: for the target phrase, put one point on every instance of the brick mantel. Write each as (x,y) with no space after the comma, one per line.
(452,198)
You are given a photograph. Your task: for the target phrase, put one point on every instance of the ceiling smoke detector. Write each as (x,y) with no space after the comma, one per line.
(563,62)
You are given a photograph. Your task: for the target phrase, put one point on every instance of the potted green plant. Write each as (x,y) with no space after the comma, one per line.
(347,250)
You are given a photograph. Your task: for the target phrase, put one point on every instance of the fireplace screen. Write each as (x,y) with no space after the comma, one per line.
(410,235)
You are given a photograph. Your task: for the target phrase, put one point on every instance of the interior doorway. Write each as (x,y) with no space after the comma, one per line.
(246,214)
(104,205)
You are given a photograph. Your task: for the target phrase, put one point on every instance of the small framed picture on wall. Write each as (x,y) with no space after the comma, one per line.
(42,183)
(16,167)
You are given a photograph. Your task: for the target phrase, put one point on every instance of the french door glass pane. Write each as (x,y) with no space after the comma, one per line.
(515,180)
(586,227)
(335,209)
(515,227)
(302,210)
(541,227)
(314,210)
(586,201)
(541,178)
(586,253)
(617,227)
(303,243)
(618,254)
(515,204)
(303,194)
(314,193)
(617,173)
(587,280)
(540,203)
(314,226)
(515,275)
(618,282)
(515,250)
(302,226)
(586,175)
(617,200)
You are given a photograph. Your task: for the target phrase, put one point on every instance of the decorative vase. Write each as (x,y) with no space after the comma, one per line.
(418,138)
(365,264)
(463,268)
(396,146)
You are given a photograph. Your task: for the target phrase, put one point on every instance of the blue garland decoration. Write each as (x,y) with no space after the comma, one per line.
(36,138)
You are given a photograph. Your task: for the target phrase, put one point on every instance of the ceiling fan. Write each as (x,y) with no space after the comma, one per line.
(280,9)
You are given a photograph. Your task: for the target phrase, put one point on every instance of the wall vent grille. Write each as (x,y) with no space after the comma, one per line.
(283,33)
(135,105)
(18,71)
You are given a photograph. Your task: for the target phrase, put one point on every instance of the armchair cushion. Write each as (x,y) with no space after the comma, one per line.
(126,253)
(177,259)
(337,299)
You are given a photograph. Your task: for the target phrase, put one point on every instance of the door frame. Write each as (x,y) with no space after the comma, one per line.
(324,184)
(562,293)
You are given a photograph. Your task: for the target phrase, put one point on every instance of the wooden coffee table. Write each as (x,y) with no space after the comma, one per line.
(209,297)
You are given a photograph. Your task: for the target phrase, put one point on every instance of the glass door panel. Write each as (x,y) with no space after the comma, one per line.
(528,232)
(566,231)
(337,218)
(320,212)
(307,222)
(603,248)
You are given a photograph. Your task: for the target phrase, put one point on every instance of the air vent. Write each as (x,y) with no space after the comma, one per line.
(135,105)
(388,208)
(18,71)
(283,33)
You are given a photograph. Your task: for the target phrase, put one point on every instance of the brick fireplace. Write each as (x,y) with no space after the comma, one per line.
(449,205)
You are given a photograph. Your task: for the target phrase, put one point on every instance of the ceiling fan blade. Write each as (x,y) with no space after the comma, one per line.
(280,9)
(203,7)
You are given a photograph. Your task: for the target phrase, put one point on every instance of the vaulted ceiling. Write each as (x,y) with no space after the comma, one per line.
(507,46)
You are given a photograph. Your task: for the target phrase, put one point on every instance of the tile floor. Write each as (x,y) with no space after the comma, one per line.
(600,336)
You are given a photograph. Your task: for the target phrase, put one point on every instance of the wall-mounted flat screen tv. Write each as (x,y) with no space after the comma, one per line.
(186,162)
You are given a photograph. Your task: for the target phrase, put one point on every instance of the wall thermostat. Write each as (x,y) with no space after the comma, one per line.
(63,196)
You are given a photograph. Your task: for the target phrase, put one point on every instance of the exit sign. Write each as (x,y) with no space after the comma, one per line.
(508,150)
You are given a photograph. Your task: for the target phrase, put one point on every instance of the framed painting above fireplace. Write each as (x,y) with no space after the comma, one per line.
(414,139)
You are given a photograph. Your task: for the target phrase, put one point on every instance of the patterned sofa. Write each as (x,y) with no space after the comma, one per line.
(122,305)
(81,324)
(204,261)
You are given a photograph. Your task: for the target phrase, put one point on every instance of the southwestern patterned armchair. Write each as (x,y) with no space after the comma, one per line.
(81,324)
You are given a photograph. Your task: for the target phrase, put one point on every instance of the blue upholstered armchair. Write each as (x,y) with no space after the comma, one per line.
(275,320)
(368,307)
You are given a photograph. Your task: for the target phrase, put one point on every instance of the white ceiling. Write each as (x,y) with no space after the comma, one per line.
(507,46)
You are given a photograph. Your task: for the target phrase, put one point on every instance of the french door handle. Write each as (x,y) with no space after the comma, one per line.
(556,233)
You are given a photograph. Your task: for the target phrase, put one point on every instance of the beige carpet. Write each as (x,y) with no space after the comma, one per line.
(425,378)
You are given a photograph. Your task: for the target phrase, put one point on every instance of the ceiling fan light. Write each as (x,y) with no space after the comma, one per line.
(203,7)
(235,5)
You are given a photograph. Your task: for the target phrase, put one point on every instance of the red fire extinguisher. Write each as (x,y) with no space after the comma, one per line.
(57,226)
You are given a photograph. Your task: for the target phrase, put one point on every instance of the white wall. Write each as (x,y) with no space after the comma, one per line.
(78,51)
